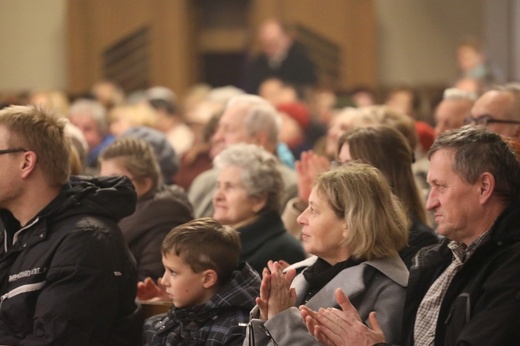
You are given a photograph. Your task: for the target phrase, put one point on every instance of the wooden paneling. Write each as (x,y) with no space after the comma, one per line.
(179,38)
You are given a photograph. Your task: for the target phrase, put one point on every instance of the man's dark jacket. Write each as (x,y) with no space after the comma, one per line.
(69,278)
(296,69)
(482,303)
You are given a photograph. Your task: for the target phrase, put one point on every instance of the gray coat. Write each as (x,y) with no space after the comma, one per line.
(382,291)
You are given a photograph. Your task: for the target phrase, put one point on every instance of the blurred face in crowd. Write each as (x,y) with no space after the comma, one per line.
(233,206)
(496,106)
(468,57)
(340,123)
(231,130)
(115,167)
(451,114)
(89,127)
(273,39)
(344,154)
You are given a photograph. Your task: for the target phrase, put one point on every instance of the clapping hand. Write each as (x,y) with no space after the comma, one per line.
(276,294)
(333,327)
(149,290)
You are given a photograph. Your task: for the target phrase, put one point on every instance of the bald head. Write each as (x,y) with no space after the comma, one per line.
(501,106)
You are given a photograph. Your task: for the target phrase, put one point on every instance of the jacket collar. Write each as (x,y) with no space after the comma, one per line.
(351,280)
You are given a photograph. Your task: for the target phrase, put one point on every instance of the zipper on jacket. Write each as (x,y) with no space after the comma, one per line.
(22,289)
(15,237)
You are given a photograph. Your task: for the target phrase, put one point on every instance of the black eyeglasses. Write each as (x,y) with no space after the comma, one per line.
(487,119)
(15,150)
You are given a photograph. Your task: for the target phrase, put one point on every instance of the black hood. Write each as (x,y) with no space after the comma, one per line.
(112,197)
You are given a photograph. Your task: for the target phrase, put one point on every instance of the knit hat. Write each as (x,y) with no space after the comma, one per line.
(426,135)
(297,111)
(164,152)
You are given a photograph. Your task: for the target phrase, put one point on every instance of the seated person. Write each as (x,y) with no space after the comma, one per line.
(159,207)
(90,117)
(355,227)
(249,188)
(387,149)
(211,295)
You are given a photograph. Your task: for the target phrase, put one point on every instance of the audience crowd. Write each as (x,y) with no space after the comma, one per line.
(281,214)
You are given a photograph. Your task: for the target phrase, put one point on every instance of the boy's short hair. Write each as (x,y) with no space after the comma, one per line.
(205,244)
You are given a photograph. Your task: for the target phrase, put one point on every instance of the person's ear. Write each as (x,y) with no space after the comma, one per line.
(486,186)
(209,278)
(29,163)
(261,139)
(259,203)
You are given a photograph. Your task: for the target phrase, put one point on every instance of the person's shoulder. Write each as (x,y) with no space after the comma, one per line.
(392,267)
(205,178)
(172,195)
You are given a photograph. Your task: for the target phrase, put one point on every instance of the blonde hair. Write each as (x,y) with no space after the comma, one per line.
(398,120)
(139,114)
(43,132)
(376,223)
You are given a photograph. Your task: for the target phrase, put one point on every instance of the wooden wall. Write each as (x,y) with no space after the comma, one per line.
(180,34)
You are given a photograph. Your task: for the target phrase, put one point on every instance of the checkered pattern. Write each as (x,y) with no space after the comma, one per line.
(428,312)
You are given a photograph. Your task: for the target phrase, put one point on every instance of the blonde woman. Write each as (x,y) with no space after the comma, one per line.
(354,226)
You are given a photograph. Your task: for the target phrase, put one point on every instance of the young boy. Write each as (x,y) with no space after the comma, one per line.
(211,296)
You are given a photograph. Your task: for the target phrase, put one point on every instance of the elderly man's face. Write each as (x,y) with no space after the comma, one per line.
(89,127)
(450,114)
(230,130)
(497,105)
(455,203)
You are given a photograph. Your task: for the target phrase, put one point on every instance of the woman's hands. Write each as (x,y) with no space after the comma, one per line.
(276,294)
(333,327)
(149,290)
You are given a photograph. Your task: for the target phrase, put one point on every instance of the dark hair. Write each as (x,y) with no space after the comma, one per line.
(476,151)
(205,244)
(160,104)
(388,150)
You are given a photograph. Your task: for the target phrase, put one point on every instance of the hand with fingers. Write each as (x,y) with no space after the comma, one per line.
(308,168)
(276,294)
(148,290)
(333,327)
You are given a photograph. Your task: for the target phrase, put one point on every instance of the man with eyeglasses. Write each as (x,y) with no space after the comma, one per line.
(66,275)
(499,110)
(465,289)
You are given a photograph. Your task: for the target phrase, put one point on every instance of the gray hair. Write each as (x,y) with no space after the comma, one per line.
(261,116)
(477,150)
(260,174)
(455,94)
(94,110)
